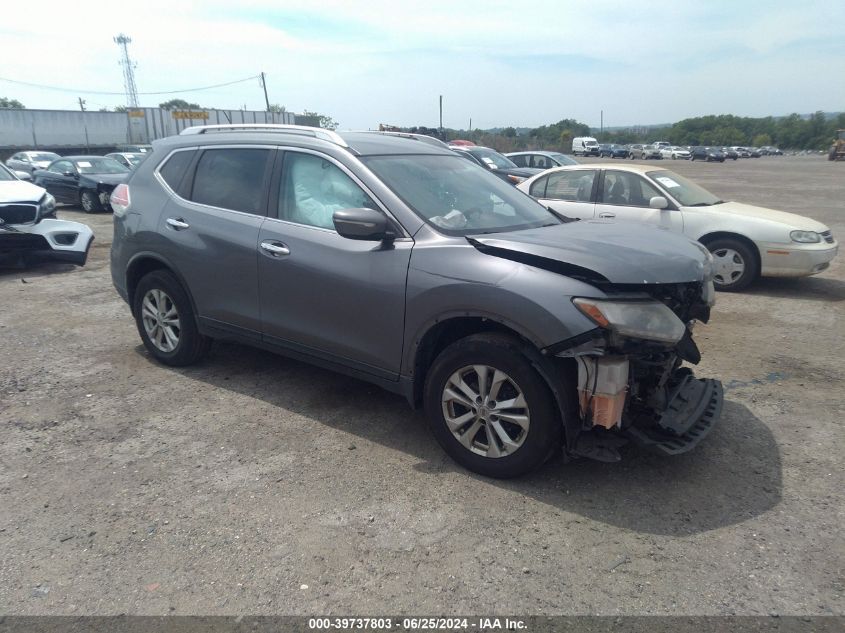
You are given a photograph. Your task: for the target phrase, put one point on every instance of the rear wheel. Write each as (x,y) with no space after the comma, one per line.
(489,408)
(166,321)
(90,202)
(734,264)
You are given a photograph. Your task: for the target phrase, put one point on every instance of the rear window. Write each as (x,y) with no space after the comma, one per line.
(174,168)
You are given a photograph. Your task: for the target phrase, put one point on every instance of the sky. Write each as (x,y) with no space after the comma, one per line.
(497,63)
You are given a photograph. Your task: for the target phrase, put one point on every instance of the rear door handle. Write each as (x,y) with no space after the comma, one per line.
(274,248)
(607,215)
(178,223)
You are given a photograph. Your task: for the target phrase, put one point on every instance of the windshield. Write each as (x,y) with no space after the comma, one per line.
(590,143)
(5,174)
(44,156)
(458,197)
(494,157)
(99,165)
(563,159)
(684,191)
(135,159)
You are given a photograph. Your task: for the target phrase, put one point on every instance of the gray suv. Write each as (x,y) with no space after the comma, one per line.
(391,259)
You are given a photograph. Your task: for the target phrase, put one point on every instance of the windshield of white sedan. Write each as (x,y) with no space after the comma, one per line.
(103,165)
(684,191)
(458,197)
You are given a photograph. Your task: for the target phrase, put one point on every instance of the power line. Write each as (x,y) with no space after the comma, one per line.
(100,92)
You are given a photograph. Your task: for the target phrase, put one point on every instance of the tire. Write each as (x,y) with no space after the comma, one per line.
(158,294)
(531,444)
(729,252)
(89,201)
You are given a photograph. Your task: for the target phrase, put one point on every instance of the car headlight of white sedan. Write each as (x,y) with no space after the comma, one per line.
(805,237)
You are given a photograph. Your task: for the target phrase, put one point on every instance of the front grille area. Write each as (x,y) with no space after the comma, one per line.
(828,236)
(11,242)
(18,213)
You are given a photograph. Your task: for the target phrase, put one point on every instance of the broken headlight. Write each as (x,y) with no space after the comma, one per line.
(650,320)
(47,206)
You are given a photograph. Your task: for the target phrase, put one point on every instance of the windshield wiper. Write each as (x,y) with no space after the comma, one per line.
(563,218)
(705,204)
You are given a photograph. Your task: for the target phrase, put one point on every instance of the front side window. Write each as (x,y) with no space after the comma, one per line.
(231,178)
(5,174)
(573,186)
(456,197)
(623,188)
(313,188)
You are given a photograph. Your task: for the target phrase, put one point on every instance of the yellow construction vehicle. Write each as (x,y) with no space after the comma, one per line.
(837,150)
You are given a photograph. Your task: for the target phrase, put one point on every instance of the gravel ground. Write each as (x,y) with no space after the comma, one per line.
(256,484)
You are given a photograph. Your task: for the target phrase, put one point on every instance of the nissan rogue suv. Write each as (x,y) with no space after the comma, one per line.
(390,258)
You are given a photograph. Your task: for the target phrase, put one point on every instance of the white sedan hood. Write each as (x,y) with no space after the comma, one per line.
(19,191)
(792,220)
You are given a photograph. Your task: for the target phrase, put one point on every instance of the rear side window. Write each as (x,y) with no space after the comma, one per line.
(519,161)
(231,179)
(174,168)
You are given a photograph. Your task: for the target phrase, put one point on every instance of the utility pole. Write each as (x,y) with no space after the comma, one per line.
(84,123)
(128,71)
(264,85)
(470,124)
(441,114)
(82,104)
(601,129)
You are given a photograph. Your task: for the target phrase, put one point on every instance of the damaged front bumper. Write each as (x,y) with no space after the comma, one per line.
(46,240)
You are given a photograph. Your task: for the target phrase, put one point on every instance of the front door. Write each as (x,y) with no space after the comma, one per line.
(322,294)
(63,188)
(625,195)
(570,192)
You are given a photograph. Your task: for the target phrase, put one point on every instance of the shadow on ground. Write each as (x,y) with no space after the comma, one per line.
(733,476)
(810,288)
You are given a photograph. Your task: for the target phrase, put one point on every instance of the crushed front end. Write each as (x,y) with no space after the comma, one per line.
(631,383)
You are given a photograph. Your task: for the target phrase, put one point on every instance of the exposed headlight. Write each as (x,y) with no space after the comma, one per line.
(649,320)
(805,237)
(47,208)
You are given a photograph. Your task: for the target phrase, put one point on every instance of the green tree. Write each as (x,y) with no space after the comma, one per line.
(11,103)
(761,139)
(179,104)
(276,108)
(324,120)
(120,108)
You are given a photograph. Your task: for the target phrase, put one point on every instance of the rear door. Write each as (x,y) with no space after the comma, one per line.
(339,299)
(210,226)
(570,192)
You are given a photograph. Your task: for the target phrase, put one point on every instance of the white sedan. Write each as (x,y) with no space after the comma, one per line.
(745,241)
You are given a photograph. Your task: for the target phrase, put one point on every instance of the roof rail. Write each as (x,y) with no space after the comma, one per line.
(430,140)
(316,132)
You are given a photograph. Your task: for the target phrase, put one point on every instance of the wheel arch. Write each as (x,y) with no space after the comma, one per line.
(145,263)
(441,333)
(708,238)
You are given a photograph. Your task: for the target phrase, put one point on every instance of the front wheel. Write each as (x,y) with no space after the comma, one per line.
(489,408)
(734,264)
(166,321)
(90,202)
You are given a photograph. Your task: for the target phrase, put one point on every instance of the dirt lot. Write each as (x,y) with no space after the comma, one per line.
(255,484)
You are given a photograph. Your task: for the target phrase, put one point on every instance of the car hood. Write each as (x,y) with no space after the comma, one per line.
(106,179)
(19,191)
(602,251)
(739,209)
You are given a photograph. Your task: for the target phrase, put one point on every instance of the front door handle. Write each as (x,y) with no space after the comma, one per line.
(607,215)
(178,223)
(276,249)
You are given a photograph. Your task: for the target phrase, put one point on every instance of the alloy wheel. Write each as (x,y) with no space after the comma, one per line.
(161,320)
(485,410)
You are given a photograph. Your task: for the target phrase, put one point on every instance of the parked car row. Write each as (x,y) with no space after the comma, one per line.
(85,180)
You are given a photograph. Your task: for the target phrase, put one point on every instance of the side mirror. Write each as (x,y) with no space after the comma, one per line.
(362,224)
(658,202)
(23,175)
(70,174)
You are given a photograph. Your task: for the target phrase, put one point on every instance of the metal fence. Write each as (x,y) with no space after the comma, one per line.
(60,129)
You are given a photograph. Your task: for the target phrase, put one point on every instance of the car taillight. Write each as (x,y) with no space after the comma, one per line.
(120,199)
